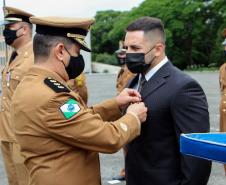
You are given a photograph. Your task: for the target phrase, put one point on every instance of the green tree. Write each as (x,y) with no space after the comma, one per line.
(193,29)
(218,10)
(101,42)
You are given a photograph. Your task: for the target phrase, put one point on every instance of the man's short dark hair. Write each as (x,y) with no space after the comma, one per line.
(29,25)
(42,44)
(147,24)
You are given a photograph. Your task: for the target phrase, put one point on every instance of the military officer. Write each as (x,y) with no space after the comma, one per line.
(79,86)
(60,136)
(223,93)
(124,74)
(18,35)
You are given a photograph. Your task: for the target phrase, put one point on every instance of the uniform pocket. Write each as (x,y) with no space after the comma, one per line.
(15,78)
(17,156)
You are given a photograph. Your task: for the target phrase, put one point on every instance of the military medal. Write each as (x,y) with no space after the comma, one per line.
(7,78)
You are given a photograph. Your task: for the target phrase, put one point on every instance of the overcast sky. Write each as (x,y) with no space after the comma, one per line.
(69,8)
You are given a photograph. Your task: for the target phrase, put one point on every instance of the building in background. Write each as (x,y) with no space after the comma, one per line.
(87,55)
(3,52)
(2,49)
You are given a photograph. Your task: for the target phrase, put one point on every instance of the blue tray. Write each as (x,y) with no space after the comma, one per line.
(210,146)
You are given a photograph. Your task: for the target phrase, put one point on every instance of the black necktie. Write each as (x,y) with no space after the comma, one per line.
(13,56)
(142,83)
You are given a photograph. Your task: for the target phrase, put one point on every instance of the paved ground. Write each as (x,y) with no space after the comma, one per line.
(102,87)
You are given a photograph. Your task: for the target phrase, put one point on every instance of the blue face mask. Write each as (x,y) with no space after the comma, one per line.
(225,52)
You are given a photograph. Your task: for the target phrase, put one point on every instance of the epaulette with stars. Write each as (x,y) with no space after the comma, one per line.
(55,85)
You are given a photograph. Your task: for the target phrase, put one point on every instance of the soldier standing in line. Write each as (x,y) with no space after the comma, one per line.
(18,35)
(124,74)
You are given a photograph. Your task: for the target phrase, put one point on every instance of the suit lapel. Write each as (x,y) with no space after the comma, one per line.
(156,81)
(132,82)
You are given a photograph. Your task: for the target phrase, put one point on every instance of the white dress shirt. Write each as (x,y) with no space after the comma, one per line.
(151,73)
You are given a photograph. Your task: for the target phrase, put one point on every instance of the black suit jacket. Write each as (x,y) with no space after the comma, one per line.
(176,104)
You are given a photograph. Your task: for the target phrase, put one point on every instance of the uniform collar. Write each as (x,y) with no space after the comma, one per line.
(25,48)
(41,71)
(24,52)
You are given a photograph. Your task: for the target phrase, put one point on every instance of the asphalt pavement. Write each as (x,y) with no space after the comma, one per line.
(102,86)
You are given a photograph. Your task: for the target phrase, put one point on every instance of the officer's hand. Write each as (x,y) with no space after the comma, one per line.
(128,96)
(139,109)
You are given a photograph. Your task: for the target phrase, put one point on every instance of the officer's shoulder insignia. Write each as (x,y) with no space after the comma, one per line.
(55,85)
(70,108)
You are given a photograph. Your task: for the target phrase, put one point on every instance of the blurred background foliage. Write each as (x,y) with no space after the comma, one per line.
(193,29)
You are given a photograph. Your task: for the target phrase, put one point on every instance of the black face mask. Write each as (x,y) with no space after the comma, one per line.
(75,67)
(225,52)
(121,61)
(10,35)
(136,62)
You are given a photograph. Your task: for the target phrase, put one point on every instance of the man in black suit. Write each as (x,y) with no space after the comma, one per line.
(176,104)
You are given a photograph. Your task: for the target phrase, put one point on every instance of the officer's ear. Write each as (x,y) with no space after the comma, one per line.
(26,29)
(60,52)
(159,49)
(21,28)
